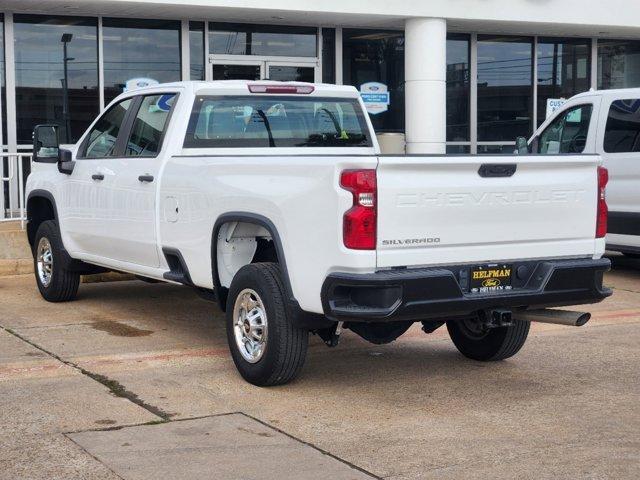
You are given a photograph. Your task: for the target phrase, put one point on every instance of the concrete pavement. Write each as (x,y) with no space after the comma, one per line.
(151,362)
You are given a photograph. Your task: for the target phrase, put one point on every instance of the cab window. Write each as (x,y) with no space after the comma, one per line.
(101,141)
(276,121)
(622,133)
(145,139)
(568,132)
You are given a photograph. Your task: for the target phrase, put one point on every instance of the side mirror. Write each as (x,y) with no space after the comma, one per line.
(46,145)
(65,161)
(522,146)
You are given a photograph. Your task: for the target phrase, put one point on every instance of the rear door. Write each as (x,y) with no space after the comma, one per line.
(449,210)
(619,138)
(132,182)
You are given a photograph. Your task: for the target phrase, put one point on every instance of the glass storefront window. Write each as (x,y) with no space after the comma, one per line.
(196,50)
(41,95)
(235,72)
(563,70)
(289,73)
(329,55)
(377,56)
(3,91)
(374,56)
(492,149)
(618,64)
(458,149)
(277,40)
(458,88)
(505,87)
(139,51)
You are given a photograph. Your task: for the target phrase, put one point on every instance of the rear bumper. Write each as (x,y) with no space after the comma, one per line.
(428,293)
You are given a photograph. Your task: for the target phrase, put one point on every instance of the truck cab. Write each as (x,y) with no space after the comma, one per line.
(606,123)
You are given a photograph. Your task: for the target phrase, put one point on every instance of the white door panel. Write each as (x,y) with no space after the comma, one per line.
(85,193)
(623,240)
(129,206)
(623,192)
(80,211)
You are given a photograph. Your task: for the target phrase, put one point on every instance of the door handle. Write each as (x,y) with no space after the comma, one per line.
(146,178)
(493,170)
(97,176)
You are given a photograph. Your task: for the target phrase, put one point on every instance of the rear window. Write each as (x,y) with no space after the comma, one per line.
(622,133)
(276,121)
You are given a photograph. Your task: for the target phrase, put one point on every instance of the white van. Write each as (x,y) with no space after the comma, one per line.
(606,122)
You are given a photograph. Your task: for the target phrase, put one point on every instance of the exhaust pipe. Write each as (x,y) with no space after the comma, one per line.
(558,317)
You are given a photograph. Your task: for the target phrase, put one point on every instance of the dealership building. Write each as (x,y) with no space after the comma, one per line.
(456,76)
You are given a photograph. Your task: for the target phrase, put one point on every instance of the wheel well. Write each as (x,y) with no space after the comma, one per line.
(236,244)
(239,244)
(39,209)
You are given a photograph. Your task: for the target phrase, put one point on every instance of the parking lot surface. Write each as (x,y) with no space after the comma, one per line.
(134,380)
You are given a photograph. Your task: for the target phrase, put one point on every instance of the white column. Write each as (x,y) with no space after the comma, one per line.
(185,56)
(208,71)
(339,72)
(100,65)
(10,80)
(473,94)
(425,89)
(594,63)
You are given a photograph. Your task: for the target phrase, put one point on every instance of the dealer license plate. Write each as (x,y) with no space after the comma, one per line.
(490,278)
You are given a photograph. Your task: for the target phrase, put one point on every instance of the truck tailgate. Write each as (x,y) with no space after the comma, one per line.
(436,210)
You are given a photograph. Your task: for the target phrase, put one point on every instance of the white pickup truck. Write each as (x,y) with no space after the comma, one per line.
(273,200)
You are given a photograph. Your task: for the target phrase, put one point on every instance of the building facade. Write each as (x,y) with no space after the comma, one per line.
(464,76)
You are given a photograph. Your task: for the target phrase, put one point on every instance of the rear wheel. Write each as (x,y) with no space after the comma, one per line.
(478,343)
(266,347)
(55,282)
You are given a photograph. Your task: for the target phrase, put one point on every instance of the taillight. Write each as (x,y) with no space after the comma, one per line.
(359,222)
(603,211)
(281,89)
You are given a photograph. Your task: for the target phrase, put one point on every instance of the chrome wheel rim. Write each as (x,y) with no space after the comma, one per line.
(44,259)
(250,325)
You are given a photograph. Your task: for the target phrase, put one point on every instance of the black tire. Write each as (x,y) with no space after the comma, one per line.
(62,285)
(285,347)
(491,345)
(635,256)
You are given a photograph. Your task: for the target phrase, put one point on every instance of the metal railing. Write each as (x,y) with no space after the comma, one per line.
(12,201)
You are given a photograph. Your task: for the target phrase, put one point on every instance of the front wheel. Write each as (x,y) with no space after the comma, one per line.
(477,343)
(55,282)
(266,347)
